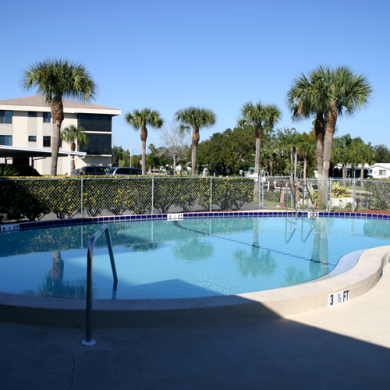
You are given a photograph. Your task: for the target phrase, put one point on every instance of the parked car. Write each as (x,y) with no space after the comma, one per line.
(73,173)
(93,170)
(23,170)
(118,171)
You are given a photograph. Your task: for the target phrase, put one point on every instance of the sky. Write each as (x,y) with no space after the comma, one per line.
(217,54)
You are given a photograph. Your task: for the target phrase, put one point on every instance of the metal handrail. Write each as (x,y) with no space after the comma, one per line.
(293,196)
(311,198)
(88,342)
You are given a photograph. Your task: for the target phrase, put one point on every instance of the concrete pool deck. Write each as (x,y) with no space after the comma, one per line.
(341,347)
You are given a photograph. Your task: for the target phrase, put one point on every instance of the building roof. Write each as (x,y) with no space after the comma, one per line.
(23,103)
(381,165)
(17,151)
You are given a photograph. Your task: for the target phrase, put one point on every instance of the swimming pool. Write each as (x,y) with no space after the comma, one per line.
(191,258)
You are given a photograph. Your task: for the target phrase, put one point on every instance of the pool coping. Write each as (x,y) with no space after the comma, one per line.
(29,225)
(129,313)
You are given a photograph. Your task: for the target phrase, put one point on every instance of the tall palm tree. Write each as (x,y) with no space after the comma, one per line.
(302,103)
(71,134)
(340,92)
(328,93)
(139,120)
(55,80)
(195,118)
(260,117)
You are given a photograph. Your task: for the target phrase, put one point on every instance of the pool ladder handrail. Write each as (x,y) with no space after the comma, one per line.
(295,200)
(296,203)
(88,342)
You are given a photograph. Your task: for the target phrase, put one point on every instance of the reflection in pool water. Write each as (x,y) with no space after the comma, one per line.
(189,258)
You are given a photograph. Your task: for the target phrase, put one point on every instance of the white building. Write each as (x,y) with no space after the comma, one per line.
(26,122)
(380,171)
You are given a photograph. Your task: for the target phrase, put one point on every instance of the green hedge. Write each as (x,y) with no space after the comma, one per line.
(34,198)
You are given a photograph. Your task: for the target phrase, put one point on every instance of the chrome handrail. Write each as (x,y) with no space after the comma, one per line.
(88,342)
(312,201)
(293,196)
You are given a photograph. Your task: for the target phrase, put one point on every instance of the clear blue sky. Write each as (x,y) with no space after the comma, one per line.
(218,54)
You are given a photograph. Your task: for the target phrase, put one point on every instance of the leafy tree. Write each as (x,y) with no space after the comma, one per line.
(175,143)
(139,120)
(55,80)
(259,117)
(195,118)
(118,154)
(382,153)
(71,134)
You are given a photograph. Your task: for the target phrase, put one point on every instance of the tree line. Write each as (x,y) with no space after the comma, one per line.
(324,95)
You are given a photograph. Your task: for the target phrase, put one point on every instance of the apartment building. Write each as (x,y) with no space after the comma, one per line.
(26,122)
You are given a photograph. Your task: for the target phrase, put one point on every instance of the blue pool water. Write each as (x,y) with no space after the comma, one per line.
(188,258)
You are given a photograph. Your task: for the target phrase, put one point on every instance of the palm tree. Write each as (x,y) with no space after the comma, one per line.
(342,152)
(71,134)
(303,104)
(195,118)
(55,80)
(305,149)
(363,153)
(340,91)
(139,120)
(260,117)
(328,93)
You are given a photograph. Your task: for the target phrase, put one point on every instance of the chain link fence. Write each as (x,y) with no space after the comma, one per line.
(36,199)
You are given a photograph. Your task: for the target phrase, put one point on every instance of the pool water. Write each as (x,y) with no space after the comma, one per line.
(179,259)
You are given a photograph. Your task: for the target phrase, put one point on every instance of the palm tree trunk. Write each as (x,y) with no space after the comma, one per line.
(330,122)
(344,175)
(362,175)
(304,167)
(144,136)
(57,113)
(144,157)
(174,164)
(73,148)
(195,141)
(319,127)
(258,134)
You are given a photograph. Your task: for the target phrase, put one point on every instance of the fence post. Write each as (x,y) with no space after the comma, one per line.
(353,194)
(82,197)
(152,195)
(211,194)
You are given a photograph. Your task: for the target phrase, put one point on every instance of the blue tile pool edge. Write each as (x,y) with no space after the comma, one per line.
(32,225)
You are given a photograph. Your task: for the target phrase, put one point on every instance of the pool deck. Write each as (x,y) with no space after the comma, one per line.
(341,347)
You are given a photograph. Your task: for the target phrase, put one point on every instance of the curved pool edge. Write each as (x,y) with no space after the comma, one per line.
(279,302)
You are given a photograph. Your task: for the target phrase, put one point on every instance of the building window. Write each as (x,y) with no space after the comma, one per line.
(382,172)
(92,122)
(46,141)
(6,117)
(32,138)
(46,117)
(97,144)
(6,140)
(32,114)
